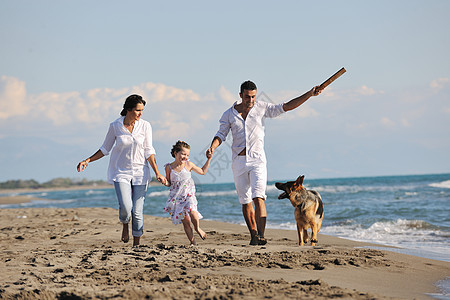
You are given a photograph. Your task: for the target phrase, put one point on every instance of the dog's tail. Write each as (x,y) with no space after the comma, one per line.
(319,210)
(317,203)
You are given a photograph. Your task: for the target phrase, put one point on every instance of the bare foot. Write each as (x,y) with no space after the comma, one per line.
(125,234)
(136,241)
(201,233)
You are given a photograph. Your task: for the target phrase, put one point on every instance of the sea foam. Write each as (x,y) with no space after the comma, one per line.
(442,185)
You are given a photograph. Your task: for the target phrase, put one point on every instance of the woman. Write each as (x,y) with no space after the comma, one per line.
(128,169)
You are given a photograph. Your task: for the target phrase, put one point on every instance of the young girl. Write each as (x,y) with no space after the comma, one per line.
(182,203)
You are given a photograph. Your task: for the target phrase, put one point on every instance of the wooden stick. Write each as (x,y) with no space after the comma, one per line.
(332,78)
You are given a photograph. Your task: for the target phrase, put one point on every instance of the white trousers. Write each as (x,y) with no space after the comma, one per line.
(250,179)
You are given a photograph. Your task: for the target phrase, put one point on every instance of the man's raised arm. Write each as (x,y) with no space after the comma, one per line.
(296,102)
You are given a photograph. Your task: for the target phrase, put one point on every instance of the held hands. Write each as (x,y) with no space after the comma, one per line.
(162,180)
(209,153)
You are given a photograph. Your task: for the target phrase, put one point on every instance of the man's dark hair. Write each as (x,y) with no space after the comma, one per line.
(248,85)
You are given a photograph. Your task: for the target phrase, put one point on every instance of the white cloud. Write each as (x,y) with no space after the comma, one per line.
(226,95)
(331,96)
(306,112)
(12,97)
(405,122)
(366,91)
(91,107)
(358,127)
(439,83)
(387,122)
(156,92)
(170,127)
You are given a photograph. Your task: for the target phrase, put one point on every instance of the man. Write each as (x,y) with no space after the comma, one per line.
(246,122)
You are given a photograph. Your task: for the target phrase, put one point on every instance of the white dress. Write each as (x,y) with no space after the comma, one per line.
(182,198)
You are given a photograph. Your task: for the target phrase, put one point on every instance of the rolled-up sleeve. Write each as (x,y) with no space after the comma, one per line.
(109,140)
(148,142)
(273,110)
(224,126)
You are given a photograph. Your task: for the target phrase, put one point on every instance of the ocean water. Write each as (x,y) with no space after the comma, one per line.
(409,212)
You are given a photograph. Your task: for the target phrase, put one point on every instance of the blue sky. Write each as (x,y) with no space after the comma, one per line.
(66,68)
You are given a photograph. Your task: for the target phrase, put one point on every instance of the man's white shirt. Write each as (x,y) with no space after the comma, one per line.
(248,133)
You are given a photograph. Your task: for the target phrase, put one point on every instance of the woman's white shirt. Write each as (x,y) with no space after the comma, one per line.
(128,161)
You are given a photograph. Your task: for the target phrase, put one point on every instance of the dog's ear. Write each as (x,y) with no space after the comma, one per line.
(280,185)
(299,180)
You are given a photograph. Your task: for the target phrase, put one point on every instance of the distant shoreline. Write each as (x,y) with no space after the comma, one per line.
(69,188)
(12,196)
(8,192)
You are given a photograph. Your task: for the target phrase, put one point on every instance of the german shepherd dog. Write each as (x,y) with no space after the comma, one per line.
(308,208)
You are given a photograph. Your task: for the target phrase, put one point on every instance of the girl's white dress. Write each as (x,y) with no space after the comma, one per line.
(182,198)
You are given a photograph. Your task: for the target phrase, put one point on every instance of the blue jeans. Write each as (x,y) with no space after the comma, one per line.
(131,205)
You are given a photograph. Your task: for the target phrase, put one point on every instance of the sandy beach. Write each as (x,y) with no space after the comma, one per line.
(50,253)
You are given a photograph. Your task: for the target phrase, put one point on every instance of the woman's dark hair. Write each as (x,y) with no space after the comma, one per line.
(248,85)
(130,103)
(177,147)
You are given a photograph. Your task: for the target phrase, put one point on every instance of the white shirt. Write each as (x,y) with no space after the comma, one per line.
(248,133)
(128,161)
